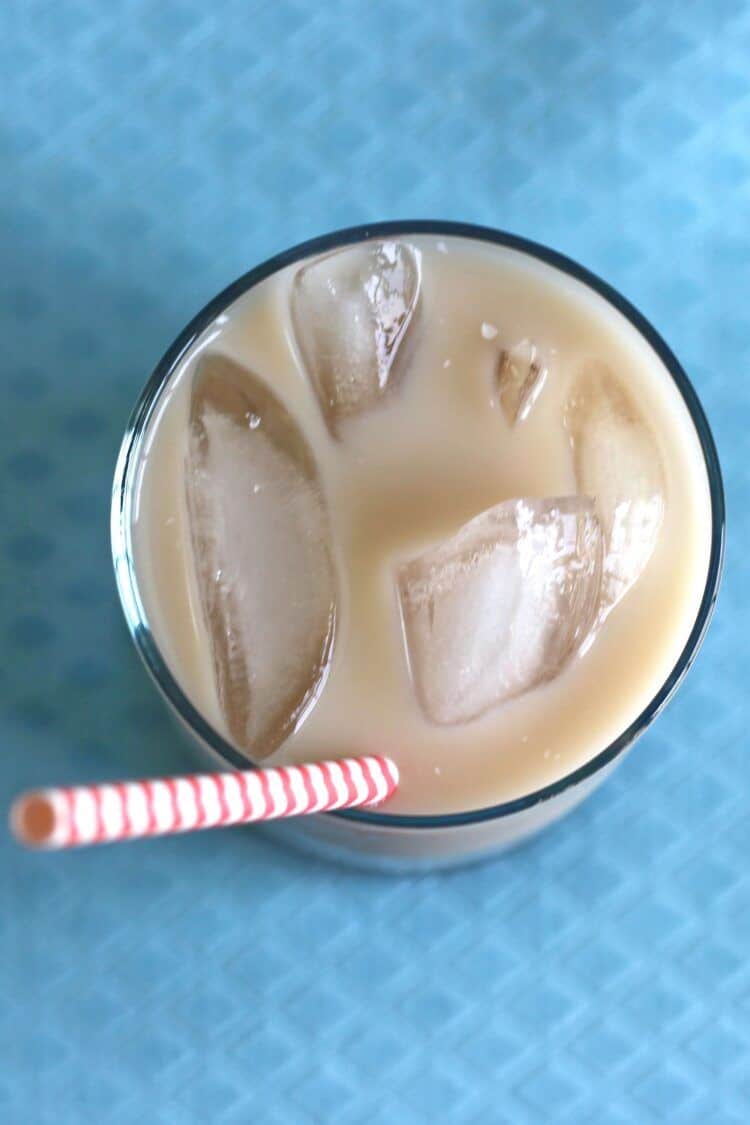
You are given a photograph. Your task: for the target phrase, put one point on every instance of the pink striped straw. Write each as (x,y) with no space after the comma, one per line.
(101,814)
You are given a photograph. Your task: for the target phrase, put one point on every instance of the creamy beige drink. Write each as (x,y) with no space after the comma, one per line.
(428,497)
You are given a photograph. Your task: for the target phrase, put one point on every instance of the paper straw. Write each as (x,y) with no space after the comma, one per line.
(128,810)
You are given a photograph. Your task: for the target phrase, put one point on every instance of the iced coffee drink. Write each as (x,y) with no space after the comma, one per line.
(425,496)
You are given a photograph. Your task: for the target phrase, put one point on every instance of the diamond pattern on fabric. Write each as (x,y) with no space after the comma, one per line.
(150,154)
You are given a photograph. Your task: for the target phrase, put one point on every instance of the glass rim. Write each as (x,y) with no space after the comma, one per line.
(127,461)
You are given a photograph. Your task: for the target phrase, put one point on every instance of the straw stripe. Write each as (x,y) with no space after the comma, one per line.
(361,781)
(337,783)
(175,809)
(331,794)
(299,791)
(253,794)
(148,795)
(224,814)
(277,800)
(289,801)
(232,798)
(72,826)
(309,797)
(385,778)
(267,806)
(99,829)
(200,813)
(377,778)
(349,787)
(122,793)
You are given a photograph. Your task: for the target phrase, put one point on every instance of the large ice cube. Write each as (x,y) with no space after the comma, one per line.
(618,463)
(262,552)
(520,375)
(501,606)
(351,312)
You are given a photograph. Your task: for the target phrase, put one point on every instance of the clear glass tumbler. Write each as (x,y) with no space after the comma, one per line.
(380,839)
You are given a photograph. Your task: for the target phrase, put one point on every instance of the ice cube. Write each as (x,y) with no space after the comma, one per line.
(616,461)
(520,375)
(262,553)
(352,312)
(500,607)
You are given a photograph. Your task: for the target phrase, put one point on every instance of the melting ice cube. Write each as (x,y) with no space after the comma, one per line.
(352,312)
(500,607)
(618,463)
(262,553)
(520,375)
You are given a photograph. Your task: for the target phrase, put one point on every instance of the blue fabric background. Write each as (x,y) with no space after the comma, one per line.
(149,153)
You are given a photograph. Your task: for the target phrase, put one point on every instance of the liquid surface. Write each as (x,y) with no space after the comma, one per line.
(480,414)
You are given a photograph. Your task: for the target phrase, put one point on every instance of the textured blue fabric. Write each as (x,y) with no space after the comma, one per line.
(149,153)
